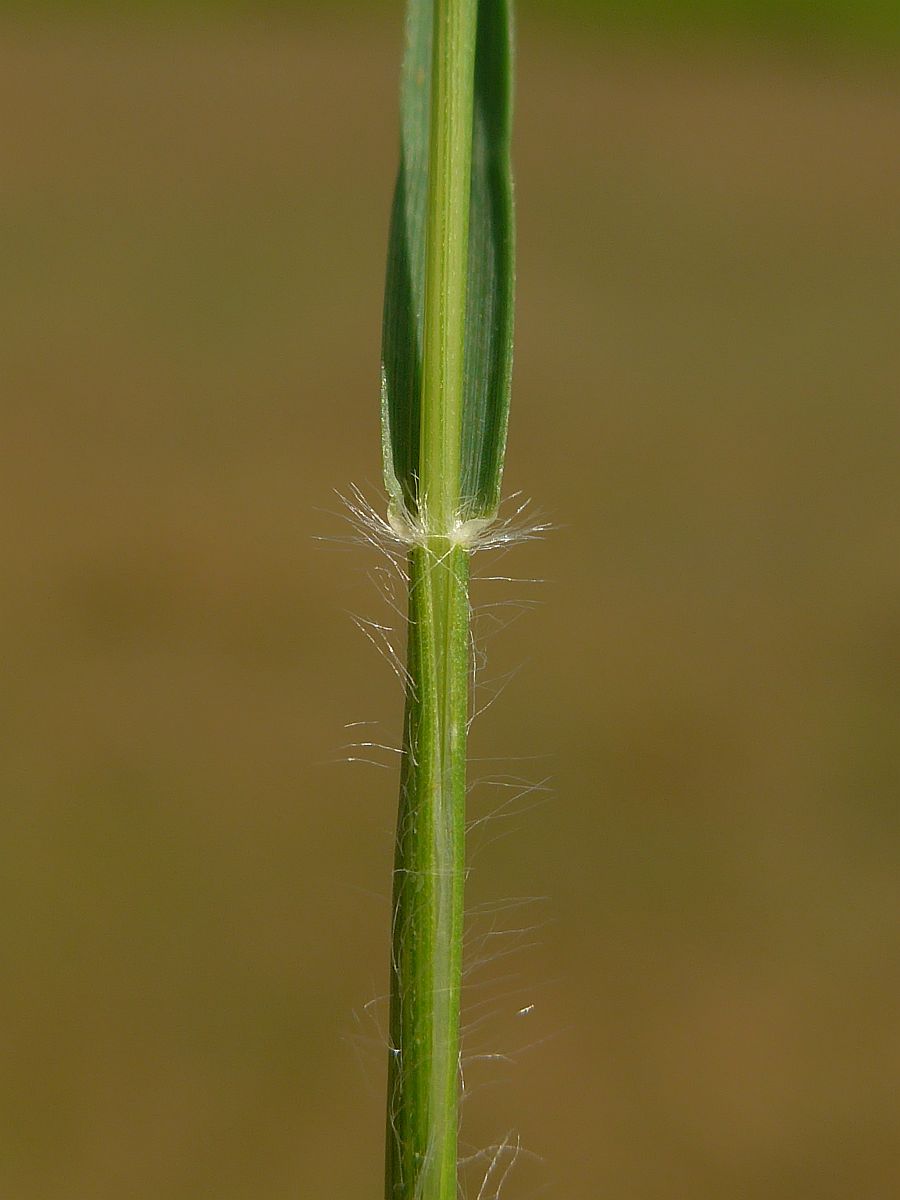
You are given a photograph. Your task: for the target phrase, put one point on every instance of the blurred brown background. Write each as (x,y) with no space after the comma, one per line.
(193,885)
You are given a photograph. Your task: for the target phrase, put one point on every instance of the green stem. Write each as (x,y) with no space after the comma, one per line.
(423,1084)
(428,886)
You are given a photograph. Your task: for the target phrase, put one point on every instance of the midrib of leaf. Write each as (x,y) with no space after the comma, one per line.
(446,260)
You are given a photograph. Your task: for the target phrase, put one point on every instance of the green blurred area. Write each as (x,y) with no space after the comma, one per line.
(872,22)
(193,883)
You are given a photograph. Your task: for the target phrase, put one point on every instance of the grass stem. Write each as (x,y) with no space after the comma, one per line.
(427,931)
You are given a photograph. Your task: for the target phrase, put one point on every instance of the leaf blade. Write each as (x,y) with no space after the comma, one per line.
(490,273)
